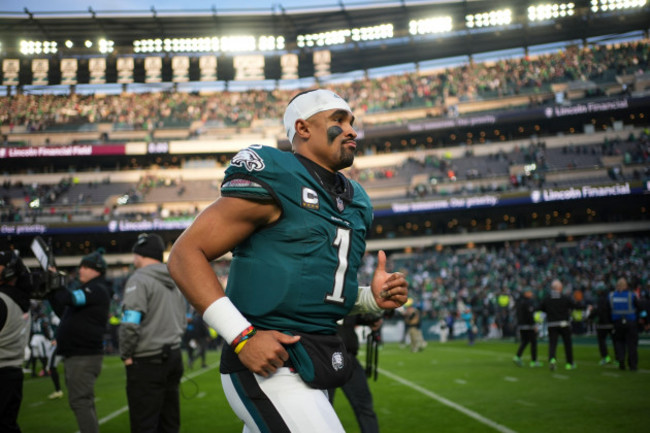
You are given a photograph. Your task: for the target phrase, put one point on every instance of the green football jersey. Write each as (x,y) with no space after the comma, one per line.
(299,273)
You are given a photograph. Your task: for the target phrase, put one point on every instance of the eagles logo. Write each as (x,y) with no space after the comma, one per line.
(337,361)
(248,158)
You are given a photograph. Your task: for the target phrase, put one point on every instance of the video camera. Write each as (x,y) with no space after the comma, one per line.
(39,283)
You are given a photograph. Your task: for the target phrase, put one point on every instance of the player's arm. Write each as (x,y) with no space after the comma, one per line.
(218,229)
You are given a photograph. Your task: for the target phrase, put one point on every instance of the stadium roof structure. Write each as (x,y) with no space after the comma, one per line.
(403,47)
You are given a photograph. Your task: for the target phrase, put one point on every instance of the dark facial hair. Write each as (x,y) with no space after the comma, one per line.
(346,158)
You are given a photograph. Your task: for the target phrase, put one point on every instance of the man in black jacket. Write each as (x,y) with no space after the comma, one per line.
(84,314)
(557,307)
(602,316)
(14,336)
(527,329)
(356,389)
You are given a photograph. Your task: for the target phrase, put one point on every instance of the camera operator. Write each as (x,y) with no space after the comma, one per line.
(356,389)
(14,336)
(84,314)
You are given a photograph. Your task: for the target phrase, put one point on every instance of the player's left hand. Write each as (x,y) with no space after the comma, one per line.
(390,290)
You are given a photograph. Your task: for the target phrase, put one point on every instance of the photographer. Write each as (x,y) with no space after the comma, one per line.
(84,314)
(356,389)
(14,336)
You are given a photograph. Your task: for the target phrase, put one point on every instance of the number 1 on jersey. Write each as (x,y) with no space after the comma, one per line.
(342,243)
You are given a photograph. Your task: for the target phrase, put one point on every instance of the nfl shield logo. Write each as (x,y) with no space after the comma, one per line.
(339,204)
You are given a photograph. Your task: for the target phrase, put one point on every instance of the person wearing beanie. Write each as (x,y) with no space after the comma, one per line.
(150,333)
(83,310)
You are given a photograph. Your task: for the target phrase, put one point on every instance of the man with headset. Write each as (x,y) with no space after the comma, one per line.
(14,336)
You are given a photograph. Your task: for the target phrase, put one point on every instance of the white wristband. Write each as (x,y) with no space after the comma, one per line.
(366,302)
(225,318)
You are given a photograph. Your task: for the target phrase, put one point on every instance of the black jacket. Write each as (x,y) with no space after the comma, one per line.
(525,311)
(348,334)
(84,314)
(558,307)
(603,312)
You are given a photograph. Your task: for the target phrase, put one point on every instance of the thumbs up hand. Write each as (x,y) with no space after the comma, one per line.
(390,290)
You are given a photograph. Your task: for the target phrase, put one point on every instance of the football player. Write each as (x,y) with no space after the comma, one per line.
(297,228)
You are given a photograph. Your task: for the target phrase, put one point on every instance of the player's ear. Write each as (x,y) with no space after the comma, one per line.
(303,128)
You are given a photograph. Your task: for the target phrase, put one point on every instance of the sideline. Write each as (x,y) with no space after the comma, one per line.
(470,413)
(185,378)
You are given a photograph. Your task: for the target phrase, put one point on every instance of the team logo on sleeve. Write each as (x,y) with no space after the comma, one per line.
(249,159)
(310,198)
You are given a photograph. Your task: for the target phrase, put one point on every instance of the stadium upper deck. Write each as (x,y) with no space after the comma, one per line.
(458,116)
(322,41)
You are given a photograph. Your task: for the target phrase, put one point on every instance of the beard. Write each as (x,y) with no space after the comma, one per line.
(347,157)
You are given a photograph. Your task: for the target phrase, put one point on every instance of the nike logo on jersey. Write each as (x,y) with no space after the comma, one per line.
(310,199)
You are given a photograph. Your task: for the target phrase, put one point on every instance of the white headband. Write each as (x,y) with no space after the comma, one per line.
(308,104)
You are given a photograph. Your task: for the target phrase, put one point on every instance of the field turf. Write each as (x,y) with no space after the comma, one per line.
(449,387)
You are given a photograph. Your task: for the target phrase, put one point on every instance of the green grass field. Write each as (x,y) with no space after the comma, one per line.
(448,387)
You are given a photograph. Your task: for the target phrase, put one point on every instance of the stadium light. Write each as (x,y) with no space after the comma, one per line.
(69,44)
(38,47)
(549,11)
(106,46)
(431,25)
(244,43)
(613,5)
(492,18)
(237,43)
(88,44)
(336,37)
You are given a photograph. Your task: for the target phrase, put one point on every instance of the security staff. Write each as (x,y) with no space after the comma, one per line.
(525,308)
(557,307)
(626,334)
(80,336)
(14,336)
(153,323)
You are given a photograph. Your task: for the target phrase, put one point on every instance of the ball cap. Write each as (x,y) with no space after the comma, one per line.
(309,103)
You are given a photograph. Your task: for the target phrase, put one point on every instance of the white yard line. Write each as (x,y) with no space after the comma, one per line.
(470,413)
(123,409)
(525,403)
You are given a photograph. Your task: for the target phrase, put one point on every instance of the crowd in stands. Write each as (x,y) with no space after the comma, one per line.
(445,176)
(444,282)
(489,279)
(148,111)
